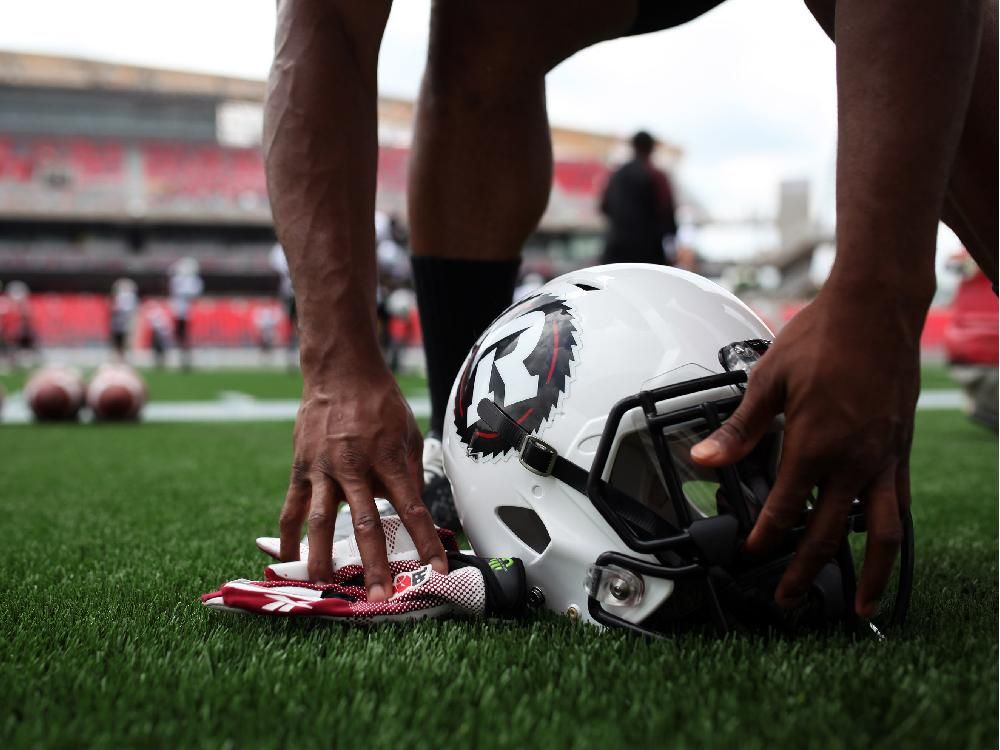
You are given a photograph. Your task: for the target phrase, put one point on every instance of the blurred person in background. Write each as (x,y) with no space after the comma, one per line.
(393,262)
(185,287)
(20,328)
(159,333)
(265,322)
(639,204)
(391,252)
(400,305)
(124,301)
(5,350)
(918,147)
(286,295)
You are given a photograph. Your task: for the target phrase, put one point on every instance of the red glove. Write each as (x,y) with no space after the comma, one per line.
(474,586)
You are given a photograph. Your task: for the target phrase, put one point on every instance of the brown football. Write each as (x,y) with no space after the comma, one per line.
(55,394)
(116,394)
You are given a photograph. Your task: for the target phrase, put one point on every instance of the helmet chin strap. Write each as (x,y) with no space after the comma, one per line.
(540,458)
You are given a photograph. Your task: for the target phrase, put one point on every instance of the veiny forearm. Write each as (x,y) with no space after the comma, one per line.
(905,70)
(321,151)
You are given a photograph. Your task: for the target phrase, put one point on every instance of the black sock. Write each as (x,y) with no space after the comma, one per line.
(457,300)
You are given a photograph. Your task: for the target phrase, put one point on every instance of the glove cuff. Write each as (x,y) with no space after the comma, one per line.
(505,580)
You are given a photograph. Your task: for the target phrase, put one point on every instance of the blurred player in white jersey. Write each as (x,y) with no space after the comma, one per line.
(185,287)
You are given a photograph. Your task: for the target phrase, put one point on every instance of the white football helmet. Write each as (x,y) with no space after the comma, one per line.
(567,444)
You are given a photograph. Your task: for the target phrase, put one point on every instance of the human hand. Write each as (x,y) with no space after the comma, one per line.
(845,372)
(355,439)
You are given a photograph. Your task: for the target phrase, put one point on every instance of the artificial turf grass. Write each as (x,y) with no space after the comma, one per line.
(113,532)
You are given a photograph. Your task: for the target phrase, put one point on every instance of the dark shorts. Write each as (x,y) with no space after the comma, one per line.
(657,15)
(181,331)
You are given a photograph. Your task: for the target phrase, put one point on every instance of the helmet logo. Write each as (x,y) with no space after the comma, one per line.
(521,363)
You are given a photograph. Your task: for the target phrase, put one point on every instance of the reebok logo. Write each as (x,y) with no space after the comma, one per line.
(412,579)
(283,603)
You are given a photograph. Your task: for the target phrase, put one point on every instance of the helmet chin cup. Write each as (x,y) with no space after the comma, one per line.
(716,539)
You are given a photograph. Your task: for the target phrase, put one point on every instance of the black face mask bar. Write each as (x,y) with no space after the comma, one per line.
(704,544)
(702,550)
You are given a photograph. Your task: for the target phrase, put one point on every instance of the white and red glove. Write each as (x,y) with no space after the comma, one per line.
(474,587)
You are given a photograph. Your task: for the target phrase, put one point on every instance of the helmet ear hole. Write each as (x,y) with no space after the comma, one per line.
(525,524)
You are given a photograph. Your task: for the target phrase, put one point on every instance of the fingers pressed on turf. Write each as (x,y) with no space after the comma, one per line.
(818,545)
(783,506)
(370,539)
(417,519)
(740,433)
(322,517)
(884,537)
(293,515)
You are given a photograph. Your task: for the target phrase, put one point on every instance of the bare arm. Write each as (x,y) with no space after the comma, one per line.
(905,72)
(355,436)
(846,370)
(321,150)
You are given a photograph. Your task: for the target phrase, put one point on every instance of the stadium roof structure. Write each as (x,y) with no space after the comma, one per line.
(20,69)
(49,71)
(85,139)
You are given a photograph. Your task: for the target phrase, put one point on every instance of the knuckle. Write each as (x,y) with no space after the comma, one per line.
(778,517)
(322,468)
(365,523)
(320,517)
(734,429)
(300,474)
(391,456)
(351,460)
(395,469)
(417,513)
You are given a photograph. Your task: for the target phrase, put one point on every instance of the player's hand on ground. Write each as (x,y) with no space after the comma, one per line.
(846,375)
(356,439)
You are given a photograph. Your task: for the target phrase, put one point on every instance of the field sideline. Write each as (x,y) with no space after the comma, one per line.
(112,532)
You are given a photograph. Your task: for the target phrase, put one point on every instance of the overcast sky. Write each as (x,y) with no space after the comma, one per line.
(747,90)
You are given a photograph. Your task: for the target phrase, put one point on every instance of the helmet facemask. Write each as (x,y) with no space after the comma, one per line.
(692,519)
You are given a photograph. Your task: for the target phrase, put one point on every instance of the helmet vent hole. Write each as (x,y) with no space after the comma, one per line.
(586,287)
(525,524)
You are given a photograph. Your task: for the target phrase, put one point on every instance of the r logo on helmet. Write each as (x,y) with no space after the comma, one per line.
(522,364)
